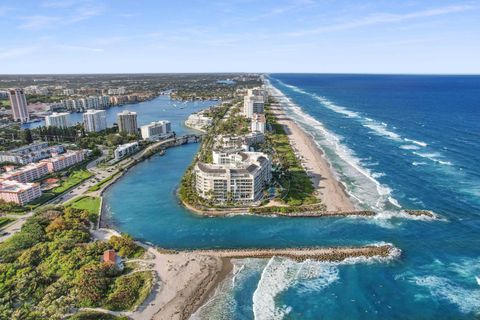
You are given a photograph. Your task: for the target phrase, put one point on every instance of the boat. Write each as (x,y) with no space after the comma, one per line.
(478,280)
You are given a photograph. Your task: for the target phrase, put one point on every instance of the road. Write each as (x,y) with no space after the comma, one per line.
(11,229)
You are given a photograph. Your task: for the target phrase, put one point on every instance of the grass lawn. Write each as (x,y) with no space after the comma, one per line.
(91,204)
(88,203)
(296,182)
(75,178)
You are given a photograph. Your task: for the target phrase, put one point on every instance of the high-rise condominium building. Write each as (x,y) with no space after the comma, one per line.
(18,102)
(59,120)
(258,122)
(253,104)
(95,120)
(127,122)
(233,176)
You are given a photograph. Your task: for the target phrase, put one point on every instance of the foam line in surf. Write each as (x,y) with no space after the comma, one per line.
(376,197)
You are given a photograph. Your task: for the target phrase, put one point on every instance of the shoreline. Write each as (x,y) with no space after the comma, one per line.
(329,189)
(189,278)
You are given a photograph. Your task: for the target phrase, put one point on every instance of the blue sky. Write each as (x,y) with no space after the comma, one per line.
(113,36)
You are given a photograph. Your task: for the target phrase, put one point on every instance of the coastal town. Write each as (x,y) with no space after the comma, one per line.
(252,160)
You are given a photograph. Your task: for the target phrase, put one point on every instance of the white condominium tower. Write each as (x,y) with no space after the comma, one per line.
(95,120)
(253,104)
(258,123)
(59,120)
(233,176)
(19,105)
(127,122)
(156,130)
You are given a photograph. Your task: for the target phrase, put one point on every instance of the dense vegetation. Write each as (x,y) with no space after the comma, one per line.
(52,265)
(94,315)
(88,203)
(11,208)
(4,221)
(291,176)
(11,137)
(39,98)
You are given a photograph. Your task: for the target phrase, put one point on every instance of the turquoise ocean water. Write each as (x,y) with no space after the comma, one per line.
(395,142)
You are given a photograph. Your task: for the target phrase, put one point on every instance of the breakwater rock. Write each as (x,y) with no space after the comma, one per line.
(419,213)
(313,253)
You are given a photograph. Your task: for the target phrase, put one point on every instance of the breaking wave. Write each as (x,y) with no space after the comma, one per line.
(308,276)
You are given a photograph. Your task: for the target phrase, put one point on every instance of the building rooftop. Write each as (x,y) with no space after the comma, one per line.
(14,186)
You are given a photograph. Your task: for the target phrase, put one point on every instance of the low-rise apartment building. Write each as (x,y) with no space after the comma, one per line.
(31,153)
(125,149)
(27,173)
(156,130)
(18,192)
(65,160)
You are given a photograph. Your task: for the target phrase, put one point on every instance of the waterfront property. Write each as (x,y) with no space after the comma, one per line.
(258,122)
(234,176)
(254,102)
(239,141)
(198,121)
(18,192)
(127,122)
(95,120)
(156,130)
(30,153)
(59,120)
(125,149)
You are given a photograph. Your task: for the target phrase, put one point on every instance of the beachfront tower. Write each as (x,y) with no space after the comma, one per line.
(18,102)
(127,122)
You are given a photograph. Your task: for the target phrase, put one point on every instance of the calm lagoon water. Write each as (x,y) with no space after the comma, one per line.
(395,142)
(160,108)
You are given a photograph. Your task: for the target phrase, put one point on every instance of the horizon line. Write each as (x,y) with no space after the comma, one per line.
(241,72)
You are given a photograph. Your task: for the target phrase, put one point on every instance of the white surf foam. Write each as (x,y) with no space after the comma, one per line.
(409,147)
(419,143)
(276,277)
(433,156)
(380,129)
(365,187)
(466,300)
(308,276)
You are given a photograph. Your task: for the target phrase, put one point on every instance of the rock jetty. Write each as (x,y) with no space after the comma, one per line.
(301,254)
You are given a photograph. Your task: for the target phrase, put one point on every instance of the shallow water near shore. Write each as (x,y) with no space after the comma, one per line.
(395,142)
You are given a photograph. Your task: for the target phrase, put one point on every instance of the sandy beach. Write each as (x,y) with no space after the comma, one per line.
(188,278)
(330,191)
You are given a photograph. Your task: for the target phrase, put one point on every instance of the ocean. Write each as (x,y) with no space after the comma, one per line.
(396,142)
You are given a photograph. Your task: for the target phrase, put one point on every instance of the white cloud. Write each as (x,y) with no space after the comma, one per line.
(80,13)
(80,48)
(38,22)
(381,18)
(14,53)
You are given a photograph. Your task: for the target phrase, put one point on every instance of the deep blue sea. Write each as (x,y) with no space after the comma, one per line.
(395,142)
